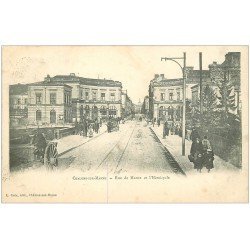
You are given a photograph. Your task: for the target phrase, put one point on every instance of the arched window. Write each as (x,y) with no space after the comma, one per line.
(94,112)
(170,113)
(161,112)
(103,110)
(87,110)
(112,111)
(81,111)
(38,115)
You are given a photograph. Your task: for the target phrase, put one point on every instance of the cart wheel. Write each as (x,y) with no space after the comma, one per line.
(51,155)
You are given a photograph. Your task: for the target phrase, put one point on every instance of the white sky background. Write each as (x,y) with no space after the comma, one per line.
(134,66)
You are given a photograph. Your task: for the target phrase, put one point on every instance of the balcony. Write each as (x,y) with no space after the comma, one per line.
(99,101)
(167,101)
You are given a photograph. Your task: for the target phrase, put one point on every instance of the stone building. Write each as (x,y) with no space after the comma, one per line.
(18,104)
(230,69)
(145,106)
(138,107)
(128,108)
(166,95)
(68,98)
(92,98)
(49,103)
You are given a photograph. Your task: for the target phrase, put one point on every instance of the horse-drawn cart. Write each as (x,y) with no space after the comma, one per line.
(113,125)
(51,155)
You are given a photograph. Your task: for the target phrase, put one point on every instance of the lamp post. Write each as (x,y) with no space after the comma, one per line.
(183,69)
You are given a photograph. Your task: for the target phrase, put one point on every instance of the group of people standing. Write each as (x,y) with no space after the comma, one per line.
(87,128)
(173,129)
(201,152)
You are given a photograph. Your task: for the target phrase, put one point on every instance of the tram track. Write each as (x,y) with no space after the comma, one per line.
(114,156)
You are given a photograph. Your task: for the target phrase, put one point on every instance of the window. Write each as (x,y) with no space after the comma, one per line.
(18,101)
(103,110)
(112,111)
(103,96)
(81,94)
(94,96)
(65,116)
(178,96)
(26,101)
(38,115)
(52,98)
(171,96)
(162,96)
(87,95)
(112,96)
(38,98)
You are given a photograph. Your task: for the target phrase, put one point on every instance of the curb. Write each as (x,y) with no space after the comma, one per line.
(90,139)
(174,164)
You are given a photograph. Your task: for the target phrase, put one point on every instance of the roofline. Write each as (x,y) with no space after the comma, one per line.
(47,84)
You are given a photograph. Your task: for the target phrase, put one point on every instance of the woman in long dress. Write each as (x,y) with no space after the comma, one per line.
(208,154)
(197,154)
(90,130)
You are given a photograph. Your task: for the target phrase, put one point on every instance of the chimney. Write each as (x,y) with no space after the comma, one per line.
(47,78)
(156,76)
(162,76)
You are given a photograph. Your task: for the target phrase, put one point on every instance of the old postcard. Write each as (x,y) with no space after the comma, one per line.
(125,124)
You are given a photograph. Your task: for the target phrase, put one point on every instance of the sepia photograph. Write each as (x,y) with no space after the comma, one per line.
(125,124)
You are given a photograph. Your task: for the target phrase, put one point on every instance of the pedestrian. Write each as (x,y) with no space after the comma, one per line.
(40,144)
(165,130)
(153,122)
(97,126)
(90,132)
(194,134)
(208,154)
(76,128)
(84,128)
(196,154)
(109,126)
(158,122)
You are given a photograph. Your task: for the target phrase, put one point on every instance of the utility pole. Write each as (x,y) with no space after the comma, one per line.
(183,69)
(184,105)
(201,97)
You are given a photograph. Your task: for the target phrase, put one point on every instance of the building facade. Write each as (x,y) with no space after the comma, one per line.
(68,98)
(145,107)
(18,104)
(166,95)
(128,108)
(165,98)
(138,107)
(229,69)
(93,98)
(49,103)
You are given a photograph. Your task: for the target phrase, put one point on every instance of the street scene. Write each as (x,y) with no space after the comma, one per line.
(124,124)
(66,122)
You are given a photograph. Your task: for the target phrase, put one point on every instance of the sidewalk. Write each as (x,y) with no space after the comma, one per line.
(174,145)
(72,141)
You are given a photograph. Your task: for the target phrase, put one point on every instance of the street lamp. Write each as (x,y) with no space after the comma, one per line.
(183,69)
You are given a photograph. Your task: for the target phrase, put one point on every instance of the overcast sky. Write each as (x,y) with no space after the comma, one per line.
(134,66)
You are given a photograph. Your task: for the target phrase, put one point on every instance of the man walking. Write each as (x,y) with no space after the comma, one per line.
(165,130)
